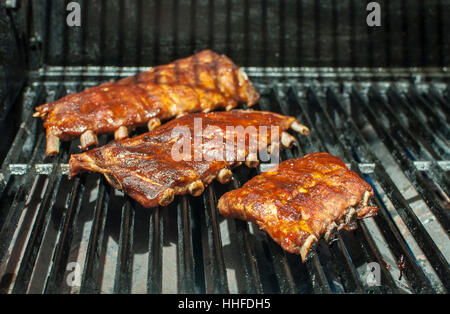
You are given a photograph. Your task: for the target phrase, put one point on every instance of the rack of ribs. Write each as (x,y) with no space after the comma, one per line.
(203,82)
(154,167)
(301,201)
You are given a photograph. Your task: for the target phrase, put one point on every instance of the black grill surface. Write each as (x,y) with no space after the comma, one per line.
(394,135)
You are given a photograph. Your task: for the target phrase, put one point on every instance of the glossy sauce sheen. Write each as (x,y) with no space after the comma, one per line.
(145,168)
(300,198)
(205,81)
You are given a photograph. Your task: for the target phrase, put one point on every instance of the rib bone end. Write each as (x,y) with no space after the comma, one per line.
(166,197)
(52,145)
(230,107)
(287,140)
(121,133)
(252,161)
(153,123)
(88,139)
(366,197)
(332,233)
(224,176)
(300,128)
(307,246)
(351,220)
(196,188)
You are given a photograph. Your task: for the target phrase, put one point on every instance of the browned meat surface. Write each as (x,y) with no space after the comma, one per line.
(301,201)
(144,167)
(204,82)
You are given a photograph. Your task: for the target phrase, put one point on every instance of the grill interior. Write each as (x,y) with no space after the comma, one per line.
(376,97)
(395,135)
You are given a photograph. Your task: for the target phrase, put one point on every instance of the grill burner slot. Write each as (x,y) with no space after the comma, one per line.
(47,221)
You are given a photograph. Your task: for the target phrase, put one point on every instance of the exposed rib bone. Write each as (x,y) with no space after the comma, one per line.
(252,160)
(366,198)
(121,133)
(224,176)
(52,145)
(332,233)
(307,246)
(287,140)
(230,107)
(300,128)
(196,188)
(88,139)
(350,220)
(166,197)
(153,123)
(147,173)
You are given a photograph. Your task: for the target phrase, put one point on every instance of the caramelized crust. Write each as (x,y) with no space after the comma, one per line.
(203,82)
(144,167)
(302,200)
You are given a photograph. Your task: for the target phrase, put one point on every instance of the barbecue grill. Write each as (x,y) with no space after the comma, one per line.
(376,97)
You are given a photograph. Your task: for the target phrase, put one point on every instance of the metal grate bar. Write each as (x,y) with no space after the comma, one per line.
(438,121)
(317,276)
(186,261)
(251,271)
(283,271)
(69,211)
(91,280)
(416,278)
(44,211)
(262,258)
(154,280)
(215,272)
(249,261)
(372,254)
(407,214)
(318,119)
(407,165)
(404,210)
(426,243)
(17,205)
(436,95)
(62,250)
(345,268)
(419,147)
(425,133)
(287,284)
(274,272)
(24,136)
(124,267)
(348,275)
(355,136)
(53,227)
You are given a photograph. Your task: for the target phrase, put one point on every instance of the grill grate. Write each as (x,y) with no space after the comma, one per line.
(394,135)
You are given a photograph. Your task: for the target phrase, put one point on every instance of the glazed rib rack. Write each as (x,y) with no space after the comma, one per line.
(395,136)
